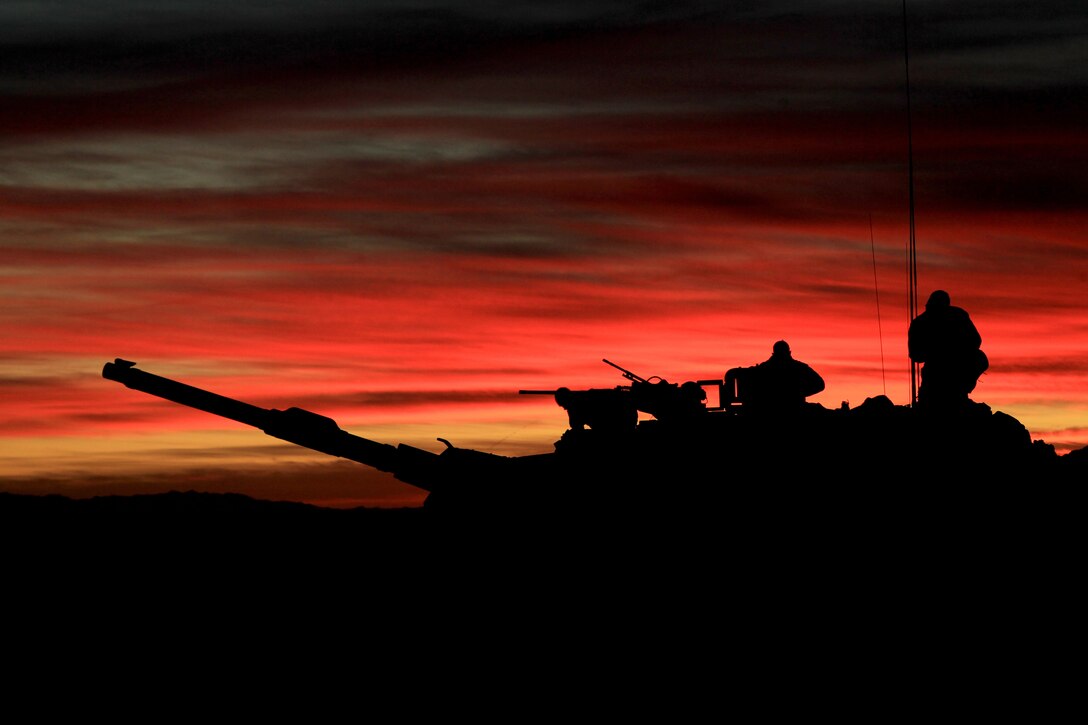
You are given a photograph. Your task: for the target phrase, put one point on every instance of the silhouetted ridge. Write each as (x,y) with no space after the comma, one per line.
(185,515)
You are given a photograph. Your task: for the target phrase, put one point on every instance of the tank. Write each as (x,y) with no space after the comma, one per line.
(682,452)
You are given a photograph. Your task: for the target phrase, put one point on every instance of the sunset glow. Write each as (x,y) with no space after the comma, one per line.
(401,215)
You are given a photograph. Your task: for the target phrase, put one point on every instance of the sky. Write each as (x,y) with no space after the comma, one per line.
(398,214)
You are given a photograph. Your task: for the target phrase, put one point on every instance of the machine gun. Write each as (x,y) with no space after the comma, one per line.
(616,409)
(626,373)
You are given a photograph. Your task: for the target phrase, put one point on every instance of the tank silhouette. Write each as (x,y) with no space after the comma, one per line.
(686,450)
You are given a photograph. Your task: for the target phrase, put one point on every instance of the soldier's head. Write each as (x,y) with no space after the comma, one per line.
(691,390)
(938,300)
(563,397)
(781,348)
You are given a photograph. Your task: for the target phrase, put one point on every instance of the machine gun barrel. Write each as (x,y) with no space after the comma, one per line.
(626,373)
(294,425)
(536,392)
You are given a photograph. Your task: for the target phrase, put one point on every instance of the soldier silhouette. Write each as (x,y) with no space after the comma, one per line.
(947,343)
(780,383)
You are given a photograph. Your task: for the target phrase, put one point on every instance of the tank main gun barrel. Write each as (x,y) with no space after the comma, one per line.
(125,372)
(294,425)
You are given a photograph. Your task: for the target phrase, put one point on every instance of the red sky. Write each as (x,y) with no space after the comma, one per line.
(399,216)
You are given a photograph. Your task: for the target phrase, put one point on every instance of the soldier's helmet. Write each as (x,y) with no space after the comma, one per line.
(939,298)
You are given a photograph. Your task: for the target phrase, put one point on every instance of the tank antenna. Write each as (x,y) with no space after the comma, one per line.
(912,255)
(876,289)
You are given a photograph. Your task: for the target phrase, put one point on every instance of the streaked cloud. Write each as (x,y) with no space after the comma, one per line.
(307,204)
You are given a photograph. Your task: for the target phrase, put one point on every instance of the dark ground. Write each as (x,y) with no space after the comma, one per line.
(830,515)
(917,583)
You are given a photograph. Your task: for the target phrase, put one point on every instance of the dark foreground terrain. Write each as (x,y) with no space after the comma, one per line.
(180,510)
(893,571)
(194,523)
(749,511)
